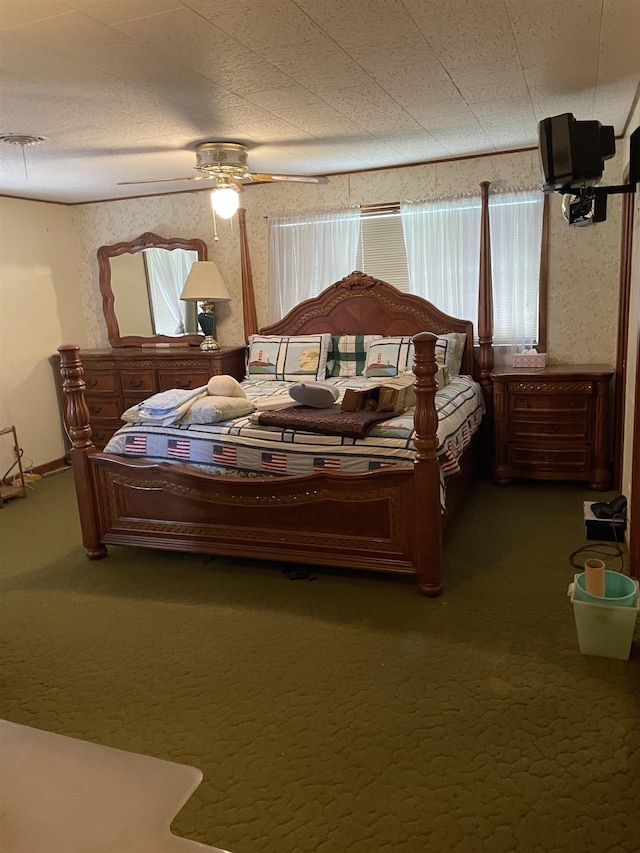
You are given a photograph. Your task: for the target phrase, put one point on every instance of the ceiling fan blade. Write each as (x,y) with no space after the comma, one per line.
(166,180)
(257,178)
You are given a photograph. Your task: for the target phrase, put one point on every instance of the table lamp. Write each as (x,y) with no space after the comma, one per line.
(204,284)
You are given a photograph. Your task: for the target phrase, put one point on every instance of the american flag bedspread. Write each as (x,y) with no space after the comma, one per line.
(242,445)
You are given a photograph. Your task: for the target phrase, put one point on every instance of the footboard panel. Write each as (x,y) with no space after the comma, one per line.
(361,522)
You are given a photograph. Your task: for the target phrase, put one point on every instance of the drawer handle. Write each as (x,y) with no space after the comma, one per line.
(186,384)
(137,384)
(95,410)
(91,383)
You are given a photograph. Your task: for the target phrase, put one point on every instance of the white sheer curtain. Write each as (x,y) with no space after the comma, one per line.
(167,273)
(307,252)
(442,239)
(515,218)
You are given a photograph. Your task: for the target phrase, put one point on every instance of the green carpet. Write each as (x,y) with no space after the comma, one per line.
(345,713)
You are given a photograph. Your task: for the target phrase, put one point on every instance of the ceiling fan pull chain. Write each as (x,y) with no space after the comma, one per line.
(215,227)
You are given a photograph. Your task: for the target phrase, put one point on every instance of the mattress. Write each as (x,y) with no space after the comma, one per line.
(240,445)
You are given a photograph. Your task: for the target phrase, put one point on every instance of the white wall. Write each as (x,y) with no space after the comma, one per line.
(40,307)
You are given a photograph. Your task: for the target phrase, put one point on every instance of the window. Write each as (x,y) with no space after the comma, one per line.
(308,252)
(430,248)
(442,238)
(381,250)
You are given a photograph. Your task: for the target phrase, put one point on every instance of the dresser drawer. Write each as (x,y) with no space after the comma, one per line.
(104,408)
(101,381)
(100,435)
(140,382)
(532,460)
(554,403)
(186,379)
(545,430)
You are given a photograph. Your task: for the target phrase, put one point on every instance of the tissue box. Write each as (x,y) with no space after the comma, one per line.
(529,359)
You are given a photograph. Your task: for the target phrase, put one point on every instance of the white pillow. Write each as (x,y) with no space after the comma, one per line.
(389,356)
(211,410)
(224,385)
(288,357)
(392,355)
(131,414)
(454,351)
(449,350)
(320,395)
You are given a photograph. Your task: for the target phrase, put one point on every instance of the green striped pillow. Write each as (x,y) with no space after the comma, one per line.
(348,356)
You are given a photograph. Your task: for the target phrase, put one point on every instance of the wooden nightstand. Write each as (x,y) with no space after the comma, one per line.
(552,423)
(120,377)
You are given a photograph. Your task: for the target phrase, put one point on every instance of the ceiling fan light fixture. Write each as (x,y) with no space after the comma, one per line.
(23,140)
(225,201)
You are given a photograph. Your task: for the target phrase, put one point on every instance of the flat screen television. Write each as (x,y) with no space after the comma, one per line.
(572,152)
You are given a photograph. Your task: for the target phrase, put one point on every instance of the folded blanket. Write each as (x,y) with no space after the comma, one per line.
(166,402)
(167,407)
(329,421)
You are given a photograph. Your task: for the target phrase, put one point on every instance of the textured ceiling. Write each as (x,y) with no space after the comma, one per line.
(124,89)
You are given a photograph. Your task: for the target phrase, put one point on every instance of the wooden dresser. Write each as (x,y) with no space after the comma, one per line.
(552,423)
(120,377)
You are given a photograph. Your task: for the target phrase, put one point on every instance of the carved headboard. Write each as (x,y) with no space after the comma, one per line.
(361,304)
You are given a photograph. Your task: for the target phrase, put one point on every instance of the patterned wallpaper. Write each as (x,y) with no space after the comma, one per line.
(583,261)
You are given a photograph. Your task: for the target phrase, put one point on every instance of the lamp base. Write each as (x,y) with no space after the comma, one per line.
(209,344)
(207,320)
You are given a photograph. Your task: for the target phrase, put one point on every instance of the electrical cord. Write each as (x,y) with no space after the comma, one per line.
(616,552)
(10,469)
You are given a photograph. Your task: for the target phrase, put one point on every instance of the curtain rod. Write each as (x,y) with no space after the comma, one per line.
(394,206)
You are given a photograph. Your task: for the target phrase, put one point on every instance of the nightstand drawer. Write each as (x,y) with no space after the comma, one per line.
(546,430)
(141,381)
(530,459)
(555,403)
(185,379)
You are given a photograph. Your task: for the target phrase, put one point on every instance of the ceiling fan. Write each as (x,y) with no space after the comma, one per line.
(225,163)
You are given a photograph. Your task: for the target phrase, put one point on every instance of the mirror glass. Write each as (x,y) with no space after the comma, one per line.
(141,282)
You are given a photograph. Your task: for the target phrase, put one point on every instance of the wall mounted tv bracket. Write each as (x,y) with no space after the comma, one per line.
(598,195)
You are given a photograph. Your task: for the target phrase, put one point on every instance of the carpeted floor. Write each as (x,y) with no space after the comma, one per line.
(345,713)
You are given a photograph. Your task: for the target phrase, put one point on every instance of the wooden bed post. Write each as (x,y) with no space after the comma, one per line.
(76,416)
(485,305)
(249,314)
(427,519)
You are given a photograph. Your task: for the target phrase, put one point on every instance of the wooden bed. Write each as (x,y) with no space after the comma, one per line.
(388,520)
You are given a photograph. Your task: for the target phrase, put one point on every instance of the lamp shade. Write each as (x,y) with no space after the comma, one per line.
(204,283)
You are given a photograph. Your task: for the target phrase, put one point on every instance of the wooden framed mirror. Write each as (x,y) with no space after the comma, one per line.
(141,282)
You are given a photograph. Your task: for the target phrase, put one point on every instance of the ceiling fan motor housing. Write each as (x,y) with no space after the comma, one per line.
(223,158)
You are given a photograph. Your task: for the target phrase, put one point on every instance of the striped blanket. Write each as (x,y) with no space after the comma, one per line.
(268,450)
